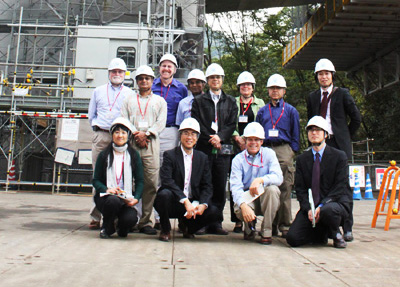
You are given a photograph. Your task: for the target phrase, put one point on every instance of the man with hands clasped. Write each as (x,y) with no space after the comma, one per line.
(186,189)
(256,166)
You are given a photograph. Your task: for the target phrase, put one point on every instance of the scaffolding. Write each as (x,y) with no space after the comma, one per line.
(40,80)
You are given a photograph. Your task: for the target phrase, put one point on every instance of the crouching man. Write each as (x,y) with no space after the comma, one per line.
(251,168)
(186,189)
(324,170)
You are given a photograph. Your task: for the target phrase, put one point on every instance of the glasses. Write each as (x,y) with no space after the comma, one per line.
(143,78)
(117,72)
(189,134)
(315,130)
(194,82)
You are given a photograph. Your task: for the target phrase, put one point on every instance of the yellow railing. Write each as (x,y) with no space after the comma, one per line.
(313,25)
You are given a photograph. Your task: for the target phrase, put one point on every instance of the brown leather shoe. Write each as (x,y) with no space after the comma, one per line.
(339,242)
(266,240)
(165,236)
(93,225)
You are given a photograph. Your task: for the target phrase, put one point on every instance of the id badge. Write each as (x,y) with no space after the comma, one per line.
(214,126)
(273,133)
(143,125)
(243,119)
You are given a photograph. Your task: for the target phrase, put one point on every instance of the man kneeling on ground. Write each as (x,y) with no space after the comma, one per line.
(324,170)
(251,168)
(186,189)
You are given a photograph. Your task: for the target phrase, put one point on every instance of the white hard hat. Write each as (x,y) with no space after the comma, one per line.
(318,121)
(276,80)
(190,123)
(245,77)
(145,70)
(168,57)
(254,129)
(324,65)
(122,121)
(214,70)
(117,63)
(197,74)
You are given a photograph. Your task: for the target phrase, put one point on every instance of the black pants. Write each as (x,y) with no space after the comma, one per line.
(219,166)
(348,221)
(113,207)
(301,231)
(168,206)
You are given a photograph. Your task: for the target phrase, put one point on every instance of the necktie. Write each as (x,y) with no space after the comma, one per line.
(316,178)
(324,105)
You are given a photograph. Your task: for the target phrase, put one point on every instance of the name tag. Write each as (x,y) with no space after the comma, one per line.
(143,125)
(273,133)
(243,119)
(214,126)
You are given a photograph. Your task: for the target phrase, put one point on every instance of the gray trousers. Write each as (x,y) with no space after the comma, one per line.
(285,155)
(100,141)
(266,205)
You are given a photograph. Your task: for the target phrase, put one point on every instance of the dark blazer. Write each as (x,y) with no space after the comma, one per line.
(203,110)
(333,178)
(172,175)
(342,106)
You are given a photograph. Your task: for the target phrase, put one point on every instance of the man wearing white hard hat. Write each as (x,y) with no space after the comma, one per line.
(104,107)
(173,92)
(257,174)
(216,113)
(196,82)
(322,174)
(186,189)
(248,106)
(147,113)
(337,106)
(282,133)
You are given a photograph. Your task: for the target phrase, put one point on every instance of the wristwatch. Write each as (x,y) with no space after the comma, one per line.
(147,134)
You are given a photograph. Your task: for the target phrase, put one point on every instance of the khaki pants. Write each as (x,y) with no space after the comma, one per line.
(266,205)
(285,155)
(100,141)
(151,167)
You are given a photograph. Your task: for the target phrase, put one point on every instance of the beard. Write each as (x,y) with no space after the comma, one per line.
(116,80)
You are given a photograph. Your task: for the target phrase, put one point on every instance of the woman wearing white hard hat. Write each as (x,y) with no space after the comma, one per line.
(248,105)
(118,181)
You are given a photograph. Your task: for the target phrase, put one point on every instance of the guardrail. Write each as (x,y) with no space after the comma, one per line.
(313,25)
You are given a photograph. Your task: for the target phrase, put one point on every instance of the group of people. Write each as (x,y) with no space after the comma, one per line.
(169,149)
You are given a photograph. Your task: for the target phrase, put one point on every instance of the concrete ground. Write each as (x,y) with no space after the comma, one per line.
(45,241)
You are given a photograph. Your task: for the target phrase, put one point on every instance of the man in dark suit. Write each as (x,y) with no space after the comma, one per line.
(337,106)
(186,189)
(324,170)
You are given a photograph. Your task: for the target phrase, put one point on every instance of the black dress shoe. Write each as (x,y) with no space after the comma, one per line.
(148,230)
(201,231)
(284,233)
(103,234)
(238,228)
(338,241)
(348,236)
(122,232)
(217,231)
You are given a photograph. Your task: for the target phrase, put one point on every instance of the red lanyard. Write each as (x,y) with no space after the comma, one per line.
(272,122)
(115,98)
(249,104)
(245,157)
(122,171)
(166,95)
(140,109)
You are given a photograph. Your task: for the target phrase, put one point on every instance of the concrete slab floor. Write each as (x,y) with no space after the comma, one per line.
(45,241)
